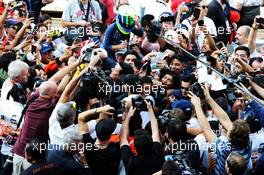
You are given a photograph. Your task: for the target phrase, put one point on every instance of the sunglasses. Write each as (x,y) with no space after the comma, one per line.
(204,6)
(184,88)
(14,27)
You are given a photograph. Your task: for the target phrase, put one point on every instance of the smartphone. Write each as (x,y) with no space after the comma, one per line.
(260,20)
(220,45)
(31,14)
(131,46)
(196,13)
(228,66)
(33,49)
(200,22)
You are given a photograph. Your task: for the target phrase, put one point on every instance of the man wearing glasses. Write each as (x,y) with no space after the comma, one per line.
(186,83)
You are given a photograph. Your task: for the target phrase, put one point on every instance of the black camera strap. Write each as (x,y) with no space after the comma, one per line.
(25,109)
(83,9)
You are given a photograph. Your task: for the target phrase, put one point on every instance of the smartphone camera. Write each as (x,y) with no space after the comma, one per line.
(260,20)
(201,22)
(33,49)
(220,45)
(196,13)
(31,14)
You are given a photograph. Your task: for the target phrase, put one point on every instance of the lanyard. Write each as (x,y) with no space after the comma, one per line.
(29,5)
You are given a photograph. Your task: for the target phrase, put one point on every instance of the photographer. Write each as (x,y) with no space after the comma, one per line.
(78,16)
(149,158)
(37,114)
(103,151)
(246,36)
(36,155)
(236,140)
(68,155)
(181,149)
(167,21)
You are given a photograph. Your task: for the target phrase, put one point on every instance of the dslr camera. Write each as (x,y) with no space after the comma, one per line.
(139,103)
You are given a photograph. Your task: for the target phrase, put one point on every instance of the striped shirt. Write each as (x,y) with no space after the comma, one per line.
(223,148)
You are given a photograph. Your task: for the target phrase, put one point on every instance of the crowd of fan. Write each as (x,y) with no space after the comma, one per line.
(113,90)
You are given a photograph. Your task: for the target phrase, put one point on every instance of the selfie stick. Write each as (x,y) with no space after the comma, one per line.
(242,88)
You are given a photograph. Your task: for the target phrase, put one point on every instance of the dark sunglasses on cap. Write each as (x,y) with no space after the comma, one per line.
(179,33)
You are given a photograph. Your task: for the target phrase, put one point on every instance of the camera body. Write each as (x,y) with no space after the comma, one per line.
(197,90)
(87,55)
(89,88)
(139,103)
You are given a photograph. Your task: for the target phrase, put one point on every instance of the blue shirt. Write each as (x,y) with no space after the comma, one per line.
(178,95)
(222,149)
(258,111)
(114,37)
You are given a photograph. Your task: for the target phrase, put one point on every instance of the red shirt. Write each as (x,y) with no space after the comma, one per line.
(176,3)
(36,123)
(109,4)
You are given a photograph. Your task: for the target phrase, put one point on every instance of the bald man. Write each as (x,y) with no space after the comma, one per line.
(36,123)
(235,164)
(242,35)
(48,89)
(246,36)
(38,112)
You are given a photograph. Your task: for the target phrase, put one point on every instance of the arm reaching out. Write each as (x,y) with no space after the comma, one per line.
(65,97)
(218,111)
(205,126)
(125,127)
(85,116)
(154,123)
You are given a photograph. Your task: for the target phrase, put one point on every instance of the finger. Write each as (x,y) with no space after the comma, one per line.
(107,113)
(190,94)
(111,108)
(134,109)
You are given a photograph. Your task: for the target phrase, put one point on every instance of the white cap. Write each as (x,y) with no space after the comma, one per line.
(184,33)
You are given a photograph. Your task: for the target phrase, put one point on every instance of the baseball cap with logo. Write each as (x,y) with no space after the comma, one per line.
(184,105)
(12,22)
(45,47)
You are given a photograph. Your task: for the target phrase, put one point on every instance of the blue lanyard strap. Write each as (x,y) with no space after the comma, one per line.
(29,5)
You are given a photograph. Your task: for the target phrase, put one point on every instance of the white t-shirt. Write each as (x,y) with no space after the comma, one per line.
(91,124)
(56,133)
(156,8)
(73,12)
(250,3)
(210,25)
(257,141)
(193,123)
(7,86)
(9,110)
(145,116)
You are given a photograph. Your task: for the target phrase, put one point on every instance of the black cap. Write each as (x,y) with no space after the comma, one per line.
(105,128)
